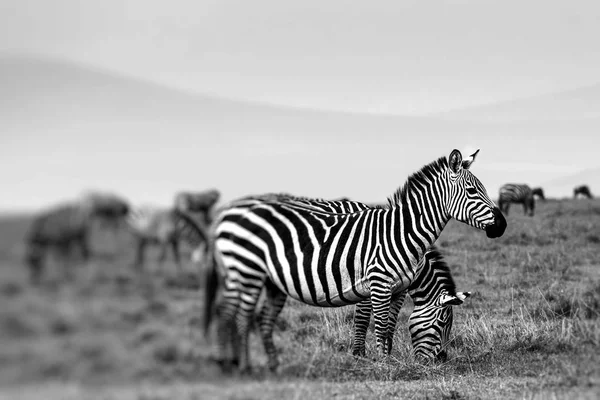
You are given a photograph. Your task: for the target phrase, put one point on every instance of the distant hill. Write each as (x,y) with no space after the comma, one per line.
(82,127)
(576,104)
(58,92)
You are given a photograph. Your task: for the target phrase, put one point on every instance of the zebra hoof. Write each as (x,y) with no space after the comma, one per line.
(273,367)
(226,366)
(358,353)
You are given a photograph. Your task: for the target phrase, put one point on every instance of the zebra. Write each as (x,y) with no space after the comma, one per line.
(583,190)
(519,193)
(433,293)
(166,227)
(65,227)
(198,202)
(333,259)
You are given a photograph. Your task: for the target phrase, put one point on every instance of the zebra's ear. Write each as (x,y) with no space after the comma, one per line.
(468,161)
(455,161)
(454,300)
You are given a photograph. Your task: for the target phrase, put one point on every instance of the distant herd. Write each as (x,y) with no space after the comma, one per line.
(325,253)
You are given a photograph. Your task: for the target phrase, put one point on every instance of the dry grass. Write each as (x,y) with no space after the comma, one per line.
(531,329)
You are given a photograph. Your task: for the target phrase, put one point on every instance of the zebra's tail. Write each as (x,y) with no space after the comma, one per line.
(212,282)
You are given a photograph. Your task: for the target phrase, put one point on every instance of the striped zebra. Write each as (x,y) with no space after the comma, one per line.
(333,259)
(65,227)
(167,228)
(198,202)
(582,190)
(433,293)
(520,194)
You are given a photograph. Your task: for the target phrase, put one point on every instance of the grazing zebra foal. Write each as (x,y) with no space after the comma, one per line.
(433,293)
(198,202)
(583,190)
(521,194)
(333,259)
(166,227)
(67,226)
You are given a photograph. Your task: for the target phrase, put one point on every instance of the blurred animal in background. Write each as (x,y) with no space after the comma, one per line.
(66,227)
(110,207)
(519,194)
(582,190)
(166,228)
(198,203)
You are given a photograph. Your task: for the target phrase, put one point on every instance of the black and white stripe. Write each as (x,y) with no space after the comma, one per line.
(519,193)
(167,228)
(433,293)
(334,259)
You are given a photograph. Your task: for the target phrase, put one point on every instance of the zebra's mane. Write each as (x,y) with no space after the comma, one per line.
(438,263)
(427,173)
(437,268)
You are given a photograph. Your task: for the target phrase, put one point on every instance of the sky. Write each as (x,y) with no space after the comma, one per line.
(326,99)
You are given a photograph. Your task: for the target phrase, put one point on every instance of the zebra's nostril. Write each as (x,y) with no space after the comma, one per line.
(496,229)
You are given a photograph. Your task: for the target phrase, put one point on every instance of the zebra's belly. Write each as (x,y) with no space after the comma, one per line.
(332,297)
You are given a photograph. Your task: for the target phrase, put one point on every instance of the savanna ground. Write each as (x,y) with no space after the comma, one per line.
(530,330)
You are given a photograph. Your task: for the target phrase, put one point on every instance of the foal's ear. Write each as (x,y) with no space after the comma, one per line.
(468,161)
(454,300)
(455,161)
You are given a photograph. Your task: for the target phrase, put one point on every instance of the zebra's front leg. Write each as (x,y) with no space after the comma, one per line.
(175,248)
(272,306)
(381,296)
(362,318)
(396,304)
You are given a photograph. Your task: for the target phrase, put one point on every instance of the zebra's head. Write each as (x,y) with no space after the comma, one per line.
(538,191)
(468,200)
(430,324)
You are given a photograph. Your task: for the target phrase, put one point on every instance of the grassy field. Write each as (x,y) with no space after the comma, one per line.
(530,330)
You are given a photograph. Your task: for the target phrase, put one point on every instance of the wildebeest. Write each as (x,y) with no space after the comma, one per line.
(582,190)
(66,227)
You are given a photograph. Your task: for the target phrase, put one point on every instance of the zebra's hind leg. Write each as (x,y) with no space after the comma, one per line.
(380,302)
(395,306)
(362,318)
(64,259)
(227,335)
(139,255)
(35,261)
(248,300)
(272,306)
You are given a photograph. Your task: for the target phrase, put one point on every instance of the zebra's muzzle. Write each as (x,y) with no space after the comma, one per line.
(496,229)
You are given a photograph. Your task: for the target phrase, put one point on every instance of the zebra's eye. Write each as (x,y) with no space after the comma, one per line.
(471,190)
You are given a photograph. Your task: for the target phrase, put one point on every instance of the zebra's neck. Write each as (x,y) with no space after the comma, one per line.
(421,213)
